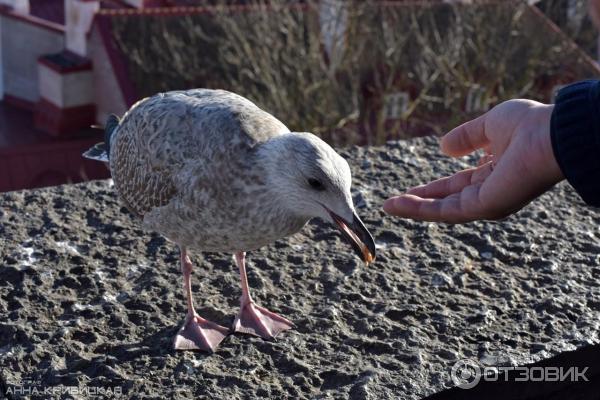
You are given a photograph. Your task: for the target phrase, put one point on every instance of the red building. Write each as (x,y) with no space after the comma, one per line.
(47,102)
(59,74)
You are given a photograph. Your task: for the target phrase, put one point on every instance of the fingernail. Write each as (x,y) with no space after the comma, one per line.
(389,205)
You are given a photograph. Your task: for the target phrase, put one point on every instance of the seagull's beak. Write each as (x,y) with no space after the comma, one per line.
(358,236)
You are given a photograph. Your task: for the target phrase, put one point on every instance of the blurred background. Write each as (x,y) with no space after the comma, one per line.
(352,72)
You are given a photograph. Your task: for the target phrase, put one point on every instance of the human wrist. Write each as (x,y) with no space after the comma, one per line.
(549,164)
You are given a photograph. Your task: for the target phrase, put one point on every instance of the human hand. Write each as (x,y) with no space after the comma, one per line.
(519,165)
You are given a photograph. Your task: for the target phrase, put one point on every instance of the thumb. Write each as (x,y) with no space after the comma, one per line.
(465,138)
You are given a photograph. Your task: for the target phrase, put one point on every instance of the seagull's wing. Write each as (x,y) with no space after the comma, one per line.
(165,139)
(143,180)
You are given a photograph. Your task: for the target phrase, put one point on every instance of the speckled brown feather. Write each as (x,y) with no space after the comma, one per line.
(140,185)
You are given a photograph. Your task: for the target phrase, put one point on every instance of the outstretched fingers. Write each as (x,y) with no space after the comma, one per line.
(463,206)
(443,187)
(451,199)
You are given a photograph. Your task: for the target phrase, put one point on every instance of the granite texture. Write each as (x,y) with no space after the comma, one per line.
(89,300)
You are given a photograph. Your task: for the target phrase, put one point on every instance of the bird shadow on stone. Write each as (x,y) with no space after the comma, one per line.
(158,346)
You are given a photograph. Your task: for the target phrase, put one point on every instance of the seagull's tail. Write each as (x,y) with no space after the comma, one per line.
(101,151)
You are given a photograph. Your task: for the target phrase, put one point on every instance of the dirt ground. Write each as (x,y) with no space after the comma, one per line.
(91,302)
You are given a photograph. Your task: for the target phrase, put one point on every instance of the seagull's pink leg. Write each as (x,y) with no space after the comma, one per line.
(196,333)
(253,319)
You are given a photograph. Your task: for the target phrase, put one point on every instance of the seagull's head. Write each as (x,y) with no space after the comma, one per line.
(312,180)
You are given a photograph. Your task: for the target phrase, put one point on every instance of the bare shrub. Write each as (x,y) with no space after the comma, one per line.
(334,71)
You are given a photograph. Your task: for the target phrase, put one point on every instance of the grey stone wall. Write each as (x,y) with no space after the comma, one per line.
(88,299)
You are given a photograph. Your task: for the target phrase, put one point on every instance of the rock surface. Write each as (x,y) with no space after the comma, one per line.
(89,300)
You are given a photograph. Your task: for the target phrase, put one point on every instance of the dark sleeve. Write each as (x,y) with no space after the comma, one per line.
(575,134)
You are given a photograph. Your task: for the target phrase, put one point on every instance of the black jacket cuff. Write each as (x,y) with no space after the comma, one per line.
(575,135)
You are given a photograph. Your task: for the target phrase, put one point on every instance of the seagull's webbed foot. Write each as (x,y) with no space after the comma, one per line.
(198,333)
(253,319)
(258,321)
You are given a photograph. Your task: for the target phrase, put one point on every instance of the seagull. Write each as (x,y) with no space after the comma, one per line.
(212,172)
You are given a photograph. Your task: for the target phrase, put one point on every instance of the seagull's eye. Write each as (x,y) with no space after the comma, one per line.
(316,184)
